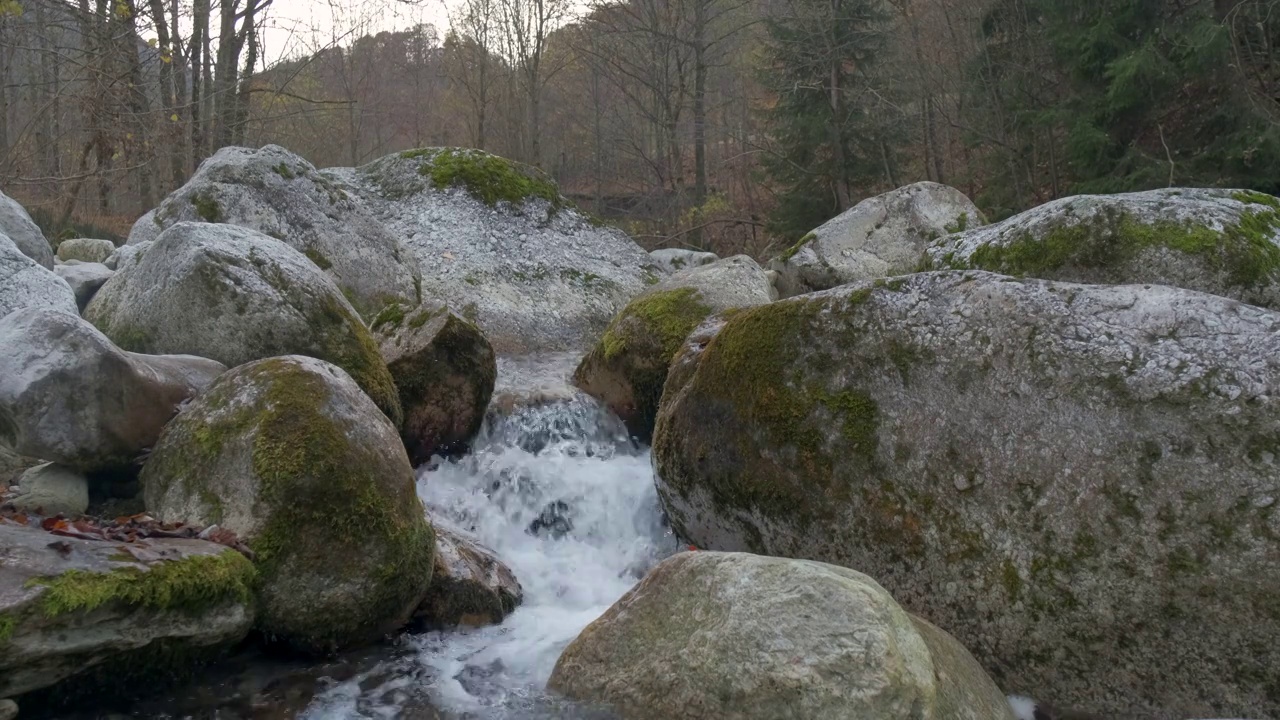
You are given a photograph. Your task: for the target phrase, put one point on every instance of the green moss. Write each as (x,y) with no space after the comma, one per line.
(130,337)
(349,345)
(1253,197)
(283,171)
(8,623)
(190,584)
(487,177)
(960,225)
(668,316)
(1243,251)
(791,251)
(207,207)
(318,258)
(1012,581)
(391,317)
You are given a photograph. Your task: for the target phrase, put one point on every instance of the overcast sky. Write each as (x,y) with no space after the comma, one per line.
(299,27)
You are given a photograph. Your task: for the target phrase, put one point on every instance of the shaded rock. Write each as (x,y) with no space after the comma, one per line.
(627,368)
(880,236)
(53,489)
(67,394)
(554,520)
(145,229)
(291,456)
(444,370)
(23,231)
(235,295)
(8,710)
(277,193)
(674,260)
(470,585)
(98,614)
(88,250)
(85,279)
(500,245)
(734,635)
(1069,478)
(127,255)
(25,284)
(1225,242)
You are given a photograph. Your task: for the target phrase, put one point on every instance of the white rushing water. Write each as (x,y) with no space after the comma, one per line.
(557,489)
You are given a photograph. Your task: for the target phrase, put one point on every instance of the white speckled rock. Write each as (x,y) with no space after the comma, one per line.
(85,279)
(26,284)
(1072,479)
(145,229)
(880,236)
(89,250)
(626,370)
(235,295)
(470,586)
(732,635)
(676,259)
(187,600)
(127,255)
(277,193)
(67,394)
(1225,242)
(291,456)
(531,275)
(53,489)
(18,225)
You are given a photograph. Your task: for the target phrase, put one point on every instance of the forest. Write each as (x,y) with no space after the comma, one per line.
(729,125)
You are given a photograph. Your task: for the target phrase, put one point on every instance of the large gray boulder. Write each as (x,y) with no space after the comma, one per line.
(277,193)
(69,395)
(732,635)
(77,611)
(90,250)
(1225,242)
(85,279)
(880,236)
(444,370)
(235,295)
(24,283)
(1071,479)
(470,586)
(53,489)
(145,229)
(627,368)
(18,225)
(293,458)
(499,244)
(674,260)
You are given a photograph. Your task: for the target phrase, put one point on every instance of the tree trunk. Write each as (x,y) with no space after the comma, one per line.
(199,46)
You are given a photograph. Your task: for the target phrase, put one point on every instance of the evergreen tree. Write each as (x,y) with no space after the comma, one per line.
(827,139)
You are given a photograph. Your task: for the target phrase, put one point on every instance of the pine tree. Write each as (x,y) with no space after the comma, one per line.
(826,140)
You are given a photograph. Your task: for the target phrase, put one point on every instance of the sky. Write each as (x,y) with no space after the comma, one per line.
(300,27)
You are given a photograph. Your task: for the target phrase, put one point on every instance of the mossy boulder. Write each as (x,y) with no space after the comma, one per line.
(18,226)
(710,634)
(89,616)
(235,295)
(880,236)
(278,193)
(444,370)
(90,250)
(69,395)
(1069,478)
(498,242)
(1225,242)
(290,455)
(470,586)
(24,283)
(627,368)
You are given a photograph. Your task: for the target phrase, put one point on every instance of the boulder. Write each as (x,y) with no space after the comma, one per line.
(25,284)
(127,255)
(1225,242)
(8,709)
(674,260)
(1072,479)
(500,245)
(277,193)
(85,279)
(23,231)
(52,489)
(145,229)
(444,370)
(627,368)
(235,295)
(67,394)
(89,613)
(12,466)
(291,456)
(880,236)
(88,250)
(732,635)
(470,586)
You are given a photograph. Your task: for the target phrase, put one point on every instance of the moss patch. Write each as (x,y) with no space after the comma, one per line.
(487,177)
(7,625)
(391,317)
(283,171)
(670,316)
(207,207)
(190,585)
(318,258)
(960,225)
(791,251)
(1115,237)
